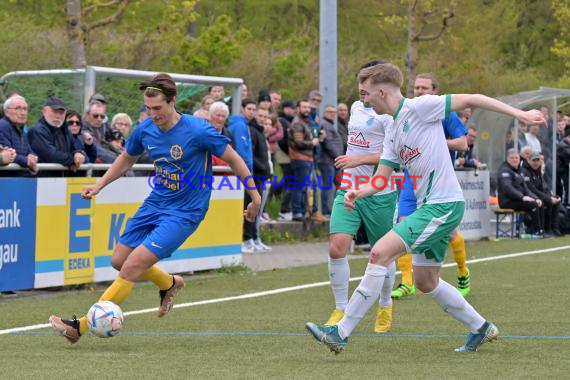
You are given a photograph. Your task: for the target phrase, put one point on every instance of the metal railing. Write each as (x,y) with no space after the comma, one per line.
(89,168)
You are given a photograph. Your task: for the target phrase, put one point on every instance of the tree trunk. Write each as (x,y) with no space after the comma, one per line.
(412,51)
(75,34)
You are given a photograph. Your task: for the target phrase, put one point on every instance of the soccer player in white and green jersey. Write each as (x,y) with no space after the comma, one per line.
(366,131)
(416,139)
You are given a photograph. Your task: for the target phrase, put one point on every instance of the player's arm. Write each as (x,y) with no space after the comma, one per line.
(459,144)
(382,174)
(120,166)
(239,168)
(344,161)
(462,101)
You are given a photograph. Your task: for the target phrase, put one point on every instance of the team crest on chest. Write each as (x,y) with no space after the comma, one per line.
(406,127)
(176,152)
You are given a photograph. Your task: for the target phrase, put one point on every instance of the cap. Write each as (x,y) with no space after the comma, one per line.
(534,156)
(98,97)
(55,103)
(263,96)
(289,104)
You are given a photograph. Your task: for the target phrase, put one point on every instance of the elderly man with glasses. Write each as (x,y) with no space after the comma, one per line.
(12,133)
(94,123)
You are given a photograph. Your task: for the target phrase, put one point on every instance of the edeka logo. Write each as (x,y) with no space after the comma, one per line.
(17,233)
(115,227)
(79,264)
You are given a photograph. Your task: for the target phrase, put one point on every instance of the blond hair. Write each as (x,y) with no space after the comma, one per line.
(385,73)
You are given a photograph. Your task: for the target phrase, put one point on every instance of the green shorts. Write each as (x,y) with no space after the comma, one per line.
(376,212)
(427,230)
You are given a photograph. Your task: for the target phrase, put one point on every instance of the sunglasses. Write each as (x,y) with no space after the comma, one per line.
(100,116)
(72,122)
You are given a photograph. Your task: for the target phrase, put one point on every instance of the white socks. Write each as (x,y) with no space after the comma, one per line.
(452,302)
(363,298)
(386,293)
(339,274)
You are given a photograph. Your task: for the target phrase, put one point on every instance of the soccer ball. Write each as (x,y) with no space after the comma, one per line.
(105,319)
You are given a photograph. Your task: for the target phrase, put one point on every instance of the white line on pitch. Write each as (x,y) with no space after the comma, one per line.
(290,289)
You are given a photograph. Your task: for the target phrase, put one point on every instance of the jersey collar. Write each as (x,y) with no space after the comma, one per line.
(399,108)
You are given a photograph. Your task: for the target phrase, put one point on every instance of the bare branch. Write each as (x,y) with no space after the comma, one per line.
(415,5)
(107,20)
(93,7)
(444,25)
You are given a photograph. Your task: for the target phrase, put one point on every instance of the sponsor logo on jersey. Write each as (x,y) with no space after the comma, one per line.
(407,154)
(357,139)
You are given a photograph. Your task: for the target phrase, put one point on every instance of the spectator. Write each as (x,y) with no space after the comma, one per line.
(7,155)
(51,142)
(315,100)
(274,135)
(514,193)
(560,129)
(532,138)
(275,102)
(93,122)
(523,129)
(205,104)
(525,153)
(218,115)
(331,149)
(114,142)
(238,126)
(464,115)
(261,169)
(509,140)
(562,164)
(286,116)
(81,138)
(244,91)
(217,93)
(264,100)
(143,115)
(301,145)
(467,159)
(342,125)
(12,133)
(122,122)
(532,171)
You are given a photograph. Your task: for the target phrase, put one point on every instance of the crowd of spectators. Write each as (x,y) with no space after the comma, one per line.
(524,178)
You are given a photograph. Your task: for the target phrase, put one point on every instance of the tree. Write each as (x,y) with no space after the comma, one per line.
(78,29)
(422,15)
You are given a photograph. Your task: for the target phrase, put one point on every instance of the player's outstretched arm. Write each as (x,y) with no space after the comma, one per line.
(462,101)
(345,161)
(458,145)
(382,174)
(121,165)
(240,168)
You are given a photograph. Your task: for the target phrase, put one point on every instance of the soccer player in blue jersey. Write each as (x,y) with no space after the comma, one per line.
(181,147)
(454,130)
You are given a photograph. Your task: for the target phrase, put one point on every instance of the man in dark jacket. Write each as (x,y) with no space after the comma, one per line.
(331,148)
(342,125)
(301,145)
(514,193)
(12,133)
(53,143)
(562,163)
(532,170)
(261,169)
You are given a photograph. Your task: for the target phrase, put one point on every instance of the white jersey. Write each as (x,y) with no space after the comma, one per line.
(366,131)
(417,140)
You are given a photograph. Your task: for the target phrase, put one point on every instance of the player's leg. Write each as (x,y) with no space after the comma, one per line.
(385,251)
(457,246)
(433,223)
(343,226)
(378,216)
(407,204)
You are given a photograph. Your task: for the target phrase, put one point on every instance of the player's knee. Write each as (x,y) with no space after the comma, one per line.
(378,257)
(425,284)
(116,262)
(336,251)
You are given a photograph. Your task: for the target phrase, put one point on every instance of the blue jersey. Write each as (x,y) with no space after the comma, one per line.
(453,128)
(182,160)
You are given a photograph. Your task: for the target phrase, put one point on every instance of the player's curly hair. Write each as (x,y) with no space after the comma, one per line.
(160,84)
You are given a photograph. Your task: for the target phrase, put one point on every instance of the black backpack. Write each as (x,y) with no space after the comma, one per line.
(564,220)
